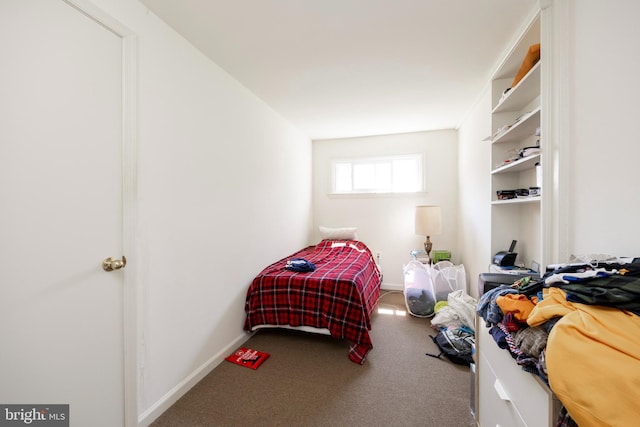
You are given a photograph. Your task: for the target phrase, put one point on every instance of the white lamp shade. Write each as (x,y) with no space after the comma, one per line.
(428,220)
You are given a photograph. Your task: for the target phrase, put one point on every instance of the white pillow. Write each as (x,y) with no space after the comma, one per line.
(341,233)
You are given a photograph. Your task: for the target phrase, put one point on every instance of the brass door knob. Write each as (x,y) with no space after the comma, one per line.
(111,263)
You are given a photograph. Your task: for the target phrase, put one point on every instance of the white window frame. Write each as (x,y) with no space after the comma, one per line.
(378,160)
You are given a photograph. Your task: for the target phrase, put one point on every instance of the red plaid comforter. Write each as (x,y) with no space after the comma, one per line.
(339,295)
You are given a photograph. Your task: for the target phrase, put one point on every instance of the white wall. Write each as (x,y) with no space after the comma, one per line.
(386,222)
(474,215)
(604,144)
(224,189)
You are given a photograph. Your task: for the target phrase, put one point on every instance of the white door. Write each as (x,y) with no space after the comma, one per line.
(61,314)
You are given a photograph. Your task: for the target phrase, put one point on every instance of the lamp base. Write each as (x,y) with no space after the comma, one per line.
(427,248)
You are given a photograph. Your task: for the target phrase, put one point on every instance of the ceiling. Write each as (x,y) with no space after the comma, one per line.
(345,68)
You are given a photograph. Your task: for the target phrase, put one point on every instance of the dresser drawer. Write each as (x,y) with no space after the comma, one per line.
(494,409)
(530,397)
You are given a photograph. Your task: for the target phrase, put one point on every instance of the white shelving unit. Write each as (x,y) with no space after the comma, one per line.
(505,394)
(515,124)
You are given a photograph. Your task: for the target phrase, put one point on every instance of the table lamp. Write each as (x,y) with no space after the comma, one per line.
(428,223)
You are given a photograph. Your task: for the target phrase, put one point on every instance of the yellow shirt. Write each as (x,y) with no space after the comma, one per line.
(593,360)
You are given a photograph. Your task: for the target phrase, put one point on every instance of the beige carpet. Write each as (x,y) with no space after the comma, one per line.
(310,381)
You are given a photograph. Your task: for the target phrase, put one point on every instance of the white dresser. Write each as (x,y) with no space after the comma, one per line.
(507,396)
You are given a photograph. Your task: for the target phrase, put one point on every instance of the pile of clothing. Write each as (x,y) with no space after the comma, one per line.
(578,328)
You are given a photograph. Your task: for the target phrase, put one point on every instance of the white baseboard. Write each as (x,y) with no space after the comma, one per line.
(391,287)
(172,396)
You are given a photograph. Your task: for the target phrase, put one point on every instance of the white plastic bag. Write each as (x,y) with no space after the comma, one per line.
(465,306)
(446,317)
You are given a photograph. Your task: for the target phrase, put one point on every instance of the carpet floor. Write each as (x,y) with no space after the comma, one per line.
(308,380)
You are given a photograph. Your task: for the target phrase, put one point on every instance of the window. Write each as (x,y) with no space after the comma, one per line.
(391,174)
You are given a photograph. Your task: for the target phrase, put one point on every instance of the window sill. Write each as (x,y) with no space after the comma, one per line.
(375,195)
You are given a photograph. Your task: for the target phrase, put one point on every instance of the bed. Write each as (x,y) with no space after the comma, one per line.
(337,298)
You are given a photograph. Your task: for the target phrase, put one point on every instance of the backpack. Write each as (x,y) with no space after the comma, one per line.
(456,344)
